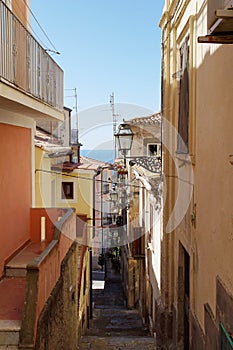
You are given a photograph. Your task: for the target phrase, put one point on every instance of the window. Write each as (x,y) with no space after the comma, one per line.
(154,149)
(183,118)
(67,190)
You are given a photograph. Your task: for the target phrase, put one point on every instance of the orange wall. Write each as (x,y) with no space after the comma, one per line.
(51,216)
(20,10)
(15,188)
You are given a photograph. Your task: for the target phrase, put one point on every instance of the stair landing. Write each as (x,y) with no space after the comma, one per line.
(17,265)
(12,294)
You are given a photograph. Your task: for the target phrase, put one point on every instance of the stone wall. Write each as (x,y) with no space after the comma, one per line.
(58,323)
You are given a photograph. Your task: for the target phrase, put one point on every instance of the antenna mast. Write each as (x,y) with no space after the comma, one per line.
(114,122)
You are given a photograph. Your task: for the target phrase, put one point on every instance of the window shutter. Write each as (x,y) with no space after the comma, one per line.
(183,121)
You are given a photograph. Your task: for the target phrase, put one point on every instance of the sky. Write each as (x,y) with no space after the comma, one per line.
(105,46)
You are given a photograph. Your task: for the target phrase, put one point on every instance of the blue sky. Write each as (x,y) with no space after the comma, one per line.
(105,46)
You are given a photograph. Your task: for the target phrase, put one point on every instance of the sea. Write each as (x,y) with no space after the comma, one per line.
(104,155)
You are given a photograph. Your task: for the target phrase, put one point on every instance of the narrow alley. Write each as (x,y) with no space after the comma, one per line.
(113,326)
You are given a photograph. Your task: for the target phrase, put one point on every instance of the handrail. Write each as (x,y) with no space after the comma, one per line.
(26,64)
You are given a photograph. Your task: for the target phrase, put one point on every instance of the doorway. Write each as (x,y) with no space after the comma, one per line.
(183,299)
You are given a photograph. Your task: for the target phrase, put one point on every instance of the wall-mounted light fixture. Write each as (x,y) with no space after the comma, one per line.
(124,140)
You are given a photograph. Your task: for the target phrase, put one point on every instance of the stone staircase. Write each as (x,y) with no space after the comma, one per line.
(12,295)
(113,326)
(12,291)
(117,343)
(9,334)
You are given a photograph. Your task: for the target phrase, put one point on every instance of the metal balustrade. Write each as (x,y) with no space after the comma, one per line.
(25,64)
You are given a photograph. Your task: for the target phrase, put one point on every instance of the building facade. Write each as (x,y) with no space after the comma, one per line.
(195,307)
(38,251)
(141,253)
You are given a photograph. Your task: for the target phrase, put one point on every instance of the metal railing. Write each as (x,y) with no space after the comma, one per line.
(24,62)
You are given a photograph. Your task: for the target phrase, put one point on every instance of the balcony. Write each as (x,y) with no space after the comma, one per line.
(27,68)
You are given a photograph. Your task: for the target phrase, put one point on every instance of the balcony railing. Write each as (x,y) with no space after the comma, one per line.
(25,64)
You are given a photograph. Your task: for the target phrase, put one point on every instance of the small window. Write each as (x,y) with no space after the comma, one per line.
(154,149)
(67,190)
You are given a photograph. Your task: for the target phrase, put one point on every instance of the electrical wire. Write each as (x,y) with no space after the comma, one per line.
(29,25)
(43,31)
(85,178)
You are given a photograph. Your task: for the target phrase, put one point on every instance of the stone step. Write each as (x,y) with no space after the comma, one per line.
(116,322)
(117,343)
(9,334)
(15,272)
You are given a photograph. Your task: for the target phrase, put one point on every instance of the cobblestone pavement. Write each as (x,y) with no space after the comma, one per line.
(113,326)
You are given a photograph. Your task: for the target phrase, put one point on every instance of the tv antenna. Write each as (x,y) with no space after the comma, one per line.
(114,122)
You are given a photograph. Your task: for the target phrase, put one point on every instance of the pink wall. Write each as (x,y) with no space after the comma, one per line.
(15,189)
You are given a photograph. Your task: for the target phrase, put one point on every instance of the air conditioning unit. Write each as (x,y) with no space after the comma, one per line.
(219,16)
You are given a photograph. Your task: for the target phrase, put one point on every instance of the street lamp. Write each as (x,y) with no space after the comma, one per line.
(124,138)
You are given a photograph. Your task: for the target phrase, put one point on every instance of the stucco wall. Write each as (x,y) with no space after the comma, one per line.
(15,167)
(83,187)
(43,180)
(208,239)
(214,179)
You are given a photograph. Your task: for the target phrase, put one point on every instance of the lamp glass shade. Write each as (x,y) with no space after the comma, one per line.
(124,138)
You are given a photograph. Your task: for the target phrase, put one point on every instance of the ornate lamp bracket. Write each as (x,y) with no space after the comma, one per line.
(153,164)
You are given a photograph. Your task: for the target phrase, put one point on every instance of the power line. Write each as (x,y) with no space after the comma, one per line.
(86,178)
(29,25)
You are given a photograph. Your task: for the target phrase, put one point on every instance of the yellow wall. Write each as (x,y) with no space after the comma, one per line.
(43,179)
(209,243)
(48,186)
(82,201)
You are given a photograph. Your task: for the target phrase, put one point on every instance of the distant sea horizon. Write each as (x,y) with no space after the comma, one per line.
(104,155)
